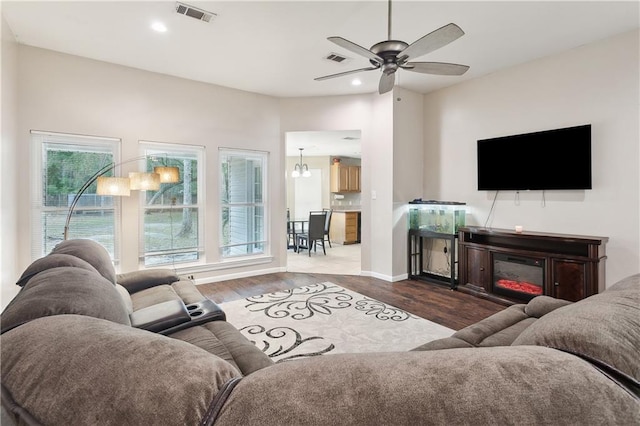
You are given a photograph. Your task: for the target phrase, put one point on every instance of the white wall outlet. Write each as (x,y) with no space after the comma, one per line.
(374,194)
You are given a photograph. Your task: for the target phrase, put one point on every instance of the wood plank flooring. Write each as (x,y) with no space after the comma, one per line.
(434,302)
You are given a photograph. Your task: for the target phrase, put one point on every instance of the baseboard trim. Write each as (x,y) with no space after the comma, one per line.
(383,277)
(244,274)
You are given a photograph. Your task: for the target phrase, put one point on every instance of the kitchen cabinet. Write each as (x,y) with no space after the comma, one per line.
(344,227)
(345,178)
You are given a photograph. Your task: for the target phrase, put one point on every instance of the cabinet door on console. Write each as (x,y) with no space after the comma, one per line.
(569,280)
(476,265)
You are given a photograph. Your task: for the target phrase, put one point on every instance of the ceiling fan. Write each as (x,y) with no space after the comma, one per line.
(389,55)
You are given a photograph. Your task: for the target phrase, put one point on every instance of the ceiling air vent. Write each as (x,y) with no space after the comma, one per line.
(194,12)
(334,57)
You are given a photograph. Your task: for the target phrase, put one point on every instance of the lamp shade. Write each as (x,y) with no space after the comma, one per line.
(113,186)
(144,181)
(168,174)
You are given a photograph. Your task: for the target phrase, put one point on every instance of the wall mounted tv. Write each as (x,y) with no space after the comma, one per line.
(550,159)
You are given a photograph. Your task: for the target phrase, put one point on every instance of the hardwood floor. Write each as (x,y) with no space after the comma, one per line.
(434,302)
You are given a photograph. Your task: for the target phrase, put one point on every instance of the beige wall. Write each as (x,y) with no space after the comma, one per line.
(381,185)
(9,269)
(337,113)
(408,147)
(597,84)
(69,94)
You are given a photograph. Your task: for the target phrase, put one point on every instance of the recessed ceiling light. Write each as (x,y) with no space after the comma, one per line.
(356,82)
(159,27)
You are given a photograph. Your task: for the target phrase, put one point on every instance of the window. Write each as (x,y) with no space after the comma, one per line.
(62,164)
(243,175)
(172,216)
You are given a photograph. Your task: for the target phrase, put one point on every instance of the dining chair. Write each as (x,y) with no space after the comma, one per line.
(314,234)
(327,225)
(291,232)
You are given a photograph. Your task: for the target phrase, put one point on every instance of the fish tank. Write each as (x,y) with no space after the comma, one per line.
(443,217)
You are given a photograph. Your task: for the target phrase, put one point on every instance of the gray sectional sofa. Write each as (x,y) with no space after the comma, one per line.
(70,355)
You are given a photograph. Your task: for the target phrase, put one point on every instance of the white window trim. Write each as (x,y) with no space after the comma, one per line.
(38,139)
(238,259)
(168,148)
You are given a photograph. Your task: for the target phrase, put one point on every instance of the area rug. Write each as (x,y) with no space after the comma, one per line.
(325,318)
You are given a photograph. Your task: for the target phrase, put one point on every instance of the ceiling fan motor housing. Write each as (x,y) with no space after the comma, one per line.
(388,50)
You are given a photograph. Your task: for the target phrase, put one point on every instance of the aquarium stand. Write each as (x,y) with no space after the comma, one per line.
(416,257)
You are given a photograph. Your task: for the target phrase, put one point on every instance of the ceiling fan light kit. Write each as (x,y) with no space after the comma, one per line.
(391,55)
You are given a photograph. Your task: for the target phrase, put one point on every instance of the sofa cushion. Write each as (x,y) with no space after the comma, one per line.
(126,298)
(106,373)
(542,305)
(604,327)
(629,283)
(501,328)
(152,296)
(140,280)
(475,386)
(53,261)
(90,251)
(187,291)
(225,341)
(65,290)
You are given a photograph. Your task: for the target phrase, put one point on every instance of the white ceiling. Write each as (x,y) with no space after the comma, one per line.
(277,48)
(328,143)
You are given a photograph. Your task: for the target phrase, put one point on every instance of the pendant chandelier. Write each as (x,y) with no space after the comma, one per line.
(300,168)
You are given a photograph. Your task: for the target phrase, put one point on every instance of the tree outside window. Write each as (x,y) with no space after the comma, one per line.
(171,219)
(64,164)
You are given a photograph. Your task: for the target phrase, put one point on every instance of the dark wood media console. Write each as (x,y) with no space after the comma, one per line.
(569,267)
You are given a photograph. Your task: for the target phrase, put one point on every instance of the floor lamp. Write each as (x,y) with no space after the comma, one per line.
(122,186)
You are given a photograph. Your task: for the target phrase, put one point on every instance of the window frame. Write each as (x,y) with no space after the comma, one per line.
(40,140)
(150,149)
(263,156)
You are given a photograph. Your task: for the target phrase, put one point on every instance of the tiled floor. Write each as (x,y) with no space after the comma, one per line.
(343,260)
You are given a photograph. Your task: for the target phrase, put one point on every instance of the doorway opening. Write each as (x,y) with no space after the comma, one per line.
(322,153)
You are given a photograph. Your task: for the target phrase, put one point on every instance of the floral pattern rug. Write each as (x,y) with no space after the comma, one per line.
(326,318)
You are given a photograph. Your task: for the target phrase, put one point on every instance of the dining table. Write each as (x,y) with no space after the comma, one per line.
(294,228)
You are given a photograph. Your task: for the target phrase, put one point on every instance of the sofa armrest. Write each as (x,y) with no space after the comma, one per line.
(140,280)
(542,305)
(160,317)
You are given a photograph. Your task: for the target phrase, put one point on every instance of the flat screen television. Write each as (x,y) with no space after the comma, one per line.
(550,159)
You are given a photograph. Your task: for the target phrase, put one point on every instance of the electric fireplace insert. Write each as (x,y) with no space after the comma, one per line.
(517,276)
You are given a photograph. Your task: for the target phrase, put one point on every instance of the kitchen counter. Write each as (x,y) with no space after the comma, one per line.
(345,226)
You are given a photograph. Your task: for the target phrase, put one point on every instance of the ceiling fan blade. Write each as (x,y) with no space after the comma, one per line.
(340,74)
(386,82)
(432,41)
(357,49)
(437,68)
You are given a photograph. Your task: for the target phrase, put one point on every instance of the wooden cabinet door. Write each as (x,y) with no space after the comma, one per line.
(476,261)
(350,228)
(343,179)
(354,178)
(568,280)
